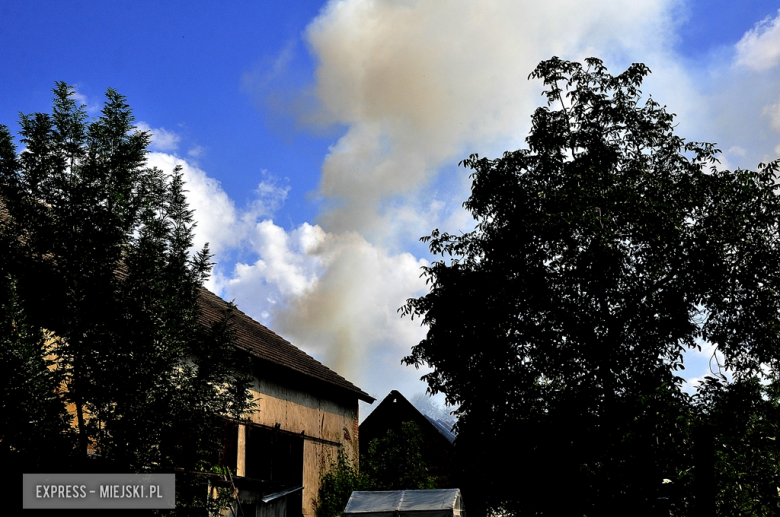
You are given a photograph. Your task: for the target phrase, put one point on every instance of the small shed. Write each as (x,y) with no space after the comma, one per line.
(406,503)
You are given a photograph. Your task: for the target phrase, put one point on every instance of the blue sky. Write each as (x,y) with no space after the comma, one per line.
(320,140)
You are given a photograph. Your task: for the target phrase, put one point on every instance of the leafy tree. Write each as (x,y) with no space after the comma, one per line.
(102,257)
(337,484)
(601,252)
(393,462)
(745,417)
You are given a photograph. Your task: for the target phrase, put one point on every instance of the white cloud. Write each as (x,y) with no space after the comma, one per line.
(269,197)
(773,112)
(219,223)
(91,107)
(692,384)
(196,152)
(736,110)
(284,262)
(162,139)
(759,48)
(701,364)
(736,150)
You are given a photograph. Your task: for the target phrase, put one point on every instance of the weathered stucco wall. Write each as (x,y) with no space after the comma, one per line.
(296,410)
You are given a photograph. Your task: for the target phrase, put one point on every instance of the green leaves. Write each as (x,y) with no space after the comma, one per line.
(395,461)
(744,412)
(337,484)
(33,422)
(601,252)
(101,255)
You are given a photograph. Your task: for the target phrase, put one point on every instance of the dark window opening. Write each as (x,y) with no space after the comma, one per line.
(228,456)
(277,458)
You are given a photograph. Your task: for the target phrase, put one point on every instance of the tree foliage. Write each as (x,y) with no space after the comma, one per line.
(33,420)
(392,462)
(745,416)
(395,461)
(337,484)
(602,252)
(101,256)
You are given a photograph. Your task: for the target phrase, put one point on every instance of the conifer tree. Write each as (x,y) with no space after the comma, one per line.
(102,257)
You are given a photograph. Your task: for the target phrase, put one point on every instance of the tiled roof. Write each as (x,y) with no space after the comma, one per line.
(265,344)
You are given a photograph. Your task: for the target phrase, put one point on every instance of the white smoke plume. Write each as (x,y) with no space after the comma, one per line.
(419,85)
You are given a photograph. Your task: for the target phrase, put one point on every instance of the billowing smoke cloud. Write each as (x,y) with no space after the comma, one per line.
(334,294)
(420,84)
(349,316)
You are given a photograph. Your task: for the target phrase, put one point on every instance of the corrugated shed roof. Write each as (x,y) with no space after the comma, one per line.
(265,344)
(430,503)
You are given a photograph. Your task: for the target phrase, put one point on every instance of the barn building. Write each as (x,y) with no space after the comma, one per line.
(306,413)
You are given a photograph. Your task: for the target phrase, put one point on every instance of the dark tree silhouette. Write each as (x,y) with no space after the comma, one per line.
(602,252)
(99,254)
